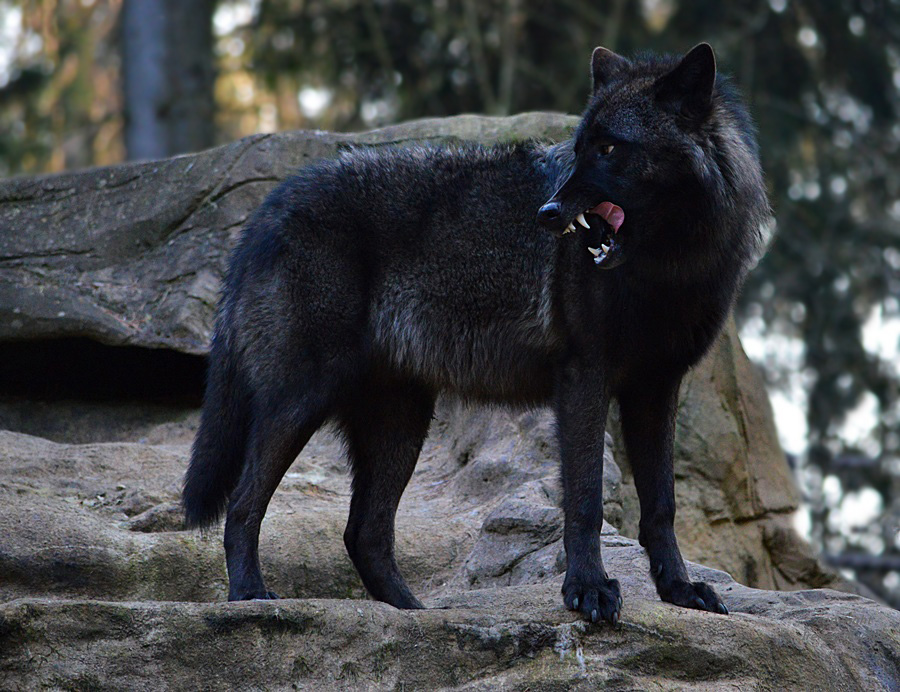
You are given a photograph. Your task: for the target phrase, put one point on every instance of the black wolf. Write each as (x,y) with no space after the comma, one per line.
(364,286)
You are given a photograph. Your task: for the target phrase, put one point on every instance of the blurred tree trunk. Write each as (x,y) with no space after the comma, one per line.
(167,68)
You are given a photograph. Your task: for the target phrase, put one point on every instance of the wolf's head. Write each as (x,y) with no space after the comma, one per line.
(665,151)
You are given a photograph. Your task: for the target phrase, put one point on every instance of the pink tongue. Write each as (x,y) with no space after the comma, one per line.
(611,213)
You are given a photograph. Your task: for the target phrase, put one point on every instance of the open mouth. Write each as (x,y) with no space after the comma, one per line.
(604,220)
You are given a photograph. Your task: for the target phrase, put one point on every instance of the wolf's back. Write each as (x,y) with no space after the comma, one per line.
(364,238)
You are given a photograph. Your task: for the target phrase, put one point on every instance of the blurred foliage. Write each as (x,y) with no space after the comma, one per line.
(822,79)
(60,103)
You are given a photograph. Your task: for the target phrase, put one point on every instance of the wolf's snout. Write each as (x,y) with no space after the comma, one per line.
(550,213)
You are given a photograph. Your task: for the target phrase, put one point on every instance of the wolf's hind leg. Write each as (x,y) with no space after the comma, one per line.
(385,430)
(279,432)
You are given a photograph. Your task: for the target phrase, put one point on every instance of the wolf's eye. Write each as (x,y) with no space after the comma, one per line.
(607,149)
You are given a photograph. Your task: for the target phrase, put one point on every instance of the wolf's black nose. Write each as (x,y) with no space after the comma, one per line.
(549,212)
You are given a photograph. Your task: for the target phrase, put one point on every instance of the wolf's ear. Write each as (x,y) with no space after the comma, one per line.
(605,65)
(689,87)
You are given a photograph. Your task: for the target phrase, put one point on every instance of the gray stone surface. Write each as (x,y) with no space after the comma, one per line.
(134,254)
(100,589)
(515,638)
(101,520)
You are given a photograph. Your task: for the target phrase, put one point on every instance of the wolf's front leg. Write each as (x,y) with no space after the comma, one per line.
(582,402)
(648,403)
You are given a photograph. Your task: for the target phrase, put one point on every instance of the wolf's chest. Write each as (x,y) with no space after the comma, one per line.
(676,328)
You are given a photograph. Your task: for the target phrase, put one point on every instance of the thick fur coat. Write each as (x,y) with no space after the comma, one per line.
(366,285)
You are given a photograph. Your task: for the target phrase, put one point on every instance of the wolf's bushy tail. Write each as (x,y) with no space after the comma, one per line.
(217,457)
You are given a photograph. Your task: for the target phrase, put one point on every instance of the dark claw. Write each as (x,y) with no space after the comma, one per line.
(596,599)
(615,616)
(696,594)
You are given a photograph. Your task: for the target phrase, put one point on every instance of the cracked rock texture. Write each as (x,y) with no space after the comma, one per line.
(134,254)
(101,588)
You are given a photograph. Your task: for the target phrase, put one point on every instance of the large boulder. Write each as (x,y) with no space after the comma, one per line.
(134,254)
(516,637)
(103,521)
(101,589)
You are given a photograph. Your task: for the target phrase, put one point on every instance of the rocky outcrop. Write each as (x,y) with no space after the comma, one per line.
(100,586)
(514,638)
(102,521)
(134,254)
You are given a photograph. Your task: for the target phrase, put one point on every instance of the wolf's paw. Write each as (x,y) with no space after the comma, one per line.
(696,594)
(596,599)
(254,596)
